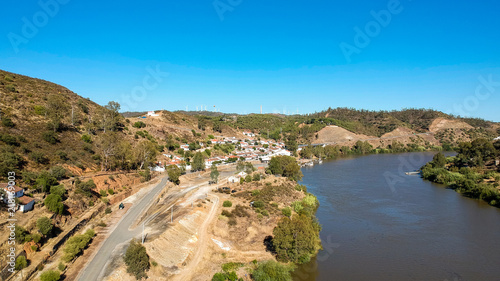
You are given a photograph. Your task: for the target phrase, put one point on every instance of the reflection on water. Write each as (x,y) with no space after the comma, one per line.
(398,227)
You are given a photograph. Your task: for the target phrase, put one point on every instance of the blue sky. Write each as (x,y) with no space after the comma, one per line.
(284,55)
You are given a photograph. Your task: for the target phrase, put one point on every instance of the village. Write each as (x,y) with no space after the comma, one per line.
(249,149)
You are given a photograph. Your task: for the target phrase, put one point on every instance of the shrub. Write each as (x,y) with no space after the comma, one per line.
(59,172)
(21,262)
(248,178)
(34,248)
(240,211)
(256,177)
(61,266)
(50,137)
(75,245)
(139,124)
(137,260)
(227,203)
(87,138)
(271,270)
(111,191)
(265,213)
(39,158)
(20,233)
(226,213)
(8,139)
(44,225)
(50,275)
(108,210)
(7,122)
(105,201)
(85,188)
(36,237)
(287,212)
(39,109)
(258,204)
(54,203)
(103,193)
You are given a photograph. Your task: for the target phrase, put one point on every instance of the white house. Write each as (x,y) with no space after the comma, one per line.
(26,204)
(152,113)
(233,179)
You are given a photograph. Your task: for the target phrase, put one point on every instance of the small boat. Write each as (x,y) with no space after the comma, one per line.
(320,161)
(310,164)
(412,173)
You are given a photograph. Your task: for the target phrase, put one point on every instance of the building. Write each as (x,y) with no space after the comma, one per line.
(26,204)
(152,113)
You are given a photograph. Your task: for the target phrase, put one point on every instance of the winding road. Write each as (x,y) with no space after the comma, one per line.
(94,269)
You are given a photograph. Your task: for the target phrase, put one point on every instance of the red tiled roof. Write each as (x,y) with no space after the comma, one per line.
(16,188)
(24,200)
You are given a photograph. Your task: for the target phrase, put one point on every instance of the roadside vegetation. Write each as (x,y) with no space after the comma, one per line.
(473,172)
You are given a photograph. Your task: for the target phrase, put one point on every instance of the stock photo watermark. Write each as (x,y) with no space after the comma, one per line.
(407,163)
(373,28)
(11,221)
(483,91)
(31,26)
(223,6)
(150,82)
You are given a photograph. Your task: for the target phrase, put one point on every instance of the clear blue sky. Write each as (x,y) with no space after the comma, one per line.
(283,55)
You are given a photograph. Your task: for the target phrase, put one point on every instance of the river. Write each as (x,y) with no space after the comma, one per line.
(380,224)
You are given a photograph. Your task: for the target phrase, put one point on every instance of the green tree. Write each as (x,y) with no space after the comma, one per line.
(174,173)
(21,262)
(145,153)
(137,260)
(107,145)
(57,109)
(54,203)
(286,166)
(75,245)
(227,203)
(198,162)
(214,173)
(45,226)
(439,160)
(50,275)
(296,239)
(271,270)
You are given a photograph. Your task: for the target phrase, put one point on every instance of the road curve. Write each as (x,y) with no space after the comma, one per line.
(94,269)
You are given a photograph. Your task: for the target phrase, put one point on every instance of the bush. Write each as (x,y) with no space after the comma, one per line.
(21,262)
(8,139)
(7,122)
(111,191)
(54,203)
(271,270)
(20,233)
(103,193)
(108,210)
(87,138)
(227,203)
(139,124)
(50,275)
(75,245)
(44,225)
(296,248)
(61,266)
(39,109)
(287,212)
(258,204)
(256,177)
(39,158)
(59,172)
(50,137)
(226,213)
(137,260)
(85,188)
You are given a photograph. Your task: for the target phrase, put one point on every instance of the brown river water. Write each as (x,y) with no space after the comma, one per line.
(380,224)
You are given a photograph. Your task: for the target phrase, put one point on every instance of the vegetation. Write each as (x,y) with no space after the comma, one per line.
(75,245)
(472,172)
(137,260)
(45,226)
(21,263)
(214,173)
(50,275)
(198,162)
(54,203)
(285,166)
(174,174)
(227,204)
(271,270)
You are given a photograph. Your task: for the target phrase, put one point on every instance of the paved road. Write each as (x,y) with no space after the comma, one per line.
(95,268)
